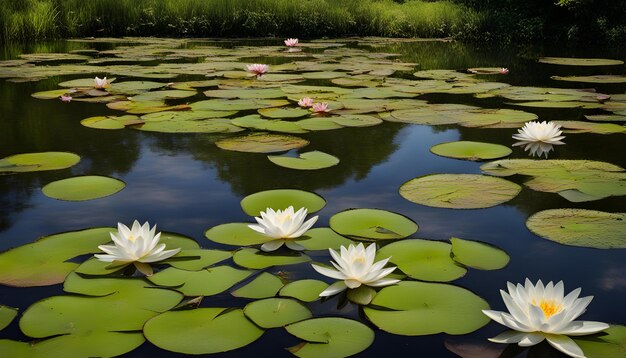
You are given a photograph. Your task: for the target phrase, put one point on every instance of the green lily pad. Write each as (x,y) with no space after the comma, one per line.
(478,255)
(281,199)
(580,227)
(264,286)
(276,312)
(197,259)
(324,75)
(606,118)
(7,314)
(111,122)
(304,290)
(361,295)
(306,161)
(82,82)
(459,191)
(572,61)
(423,259)
(145,107)
(236,234)
(330,337)
(237,104)
(350,120)
(95,267)
(592,79)
(44,262)
(318,124)
(176,125)
(255,259)
(256,122)
(83,188)
(608,344)
(162,95)
(32,162)
(262,143)
(206,282)
(250,93)
(52,94)
(133,87)
(556,104)
(471,150)
(323,238)
(372,224)
(422,308)
(283,113)
(588,127)
(201,331)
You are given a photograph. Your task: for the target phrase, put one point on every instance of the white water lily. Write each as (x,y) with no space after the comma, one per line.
(536,148)
(545,132)
(538,312)
(291,42)
(283,226)
(100,83)
(138,244)
(355,267)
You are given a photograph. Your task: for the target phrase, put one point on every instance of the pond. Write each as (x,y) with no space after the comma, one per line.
(182,136)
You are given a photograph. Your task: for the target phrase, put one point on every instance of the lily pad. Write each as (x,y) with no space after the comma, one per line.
(478,255)
(255,259)
(111,122)
(162,95)
(201,331)
(372,224)
(459,191)
(82,82)
(423,259)
(608,344)
(44,262)
(52,94)
(7,314)
(281,199)
(283,113)
(256,122)
(422,308)
(262,143)
(237,104)
(318,124)
(330,337)
(304,290)
(580,227)
(276,312)
(176,125)
(306,161)
(264,286)
(471,150)
(206,282)
(350,120)
(592,79)
(32,162)
(197,259)
(323,238)
(236,234)
(572,61)
(83,188)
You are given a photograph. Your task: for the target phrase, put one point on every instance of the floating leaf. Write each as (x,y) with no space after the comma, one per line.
(608,344)
(276,312)
(7,314)
(82,82)
(322,238)
(256,122)
(478,255)
(237,104)
(206,282)
(330,337)
(201,331)
(572,61)
(32,162)
(306,161)
(236,234)
(52,94)
(261,143)
(579,227)
(255,259)
(162,95)
(423,259)
(264,286)
(251,93)
(592,79)
(304,290)
(44,262)
(362,295)
(212,125)
(111,122)
(282,113)
(83,188)
(197,259)
(318,124)
(281,199)
(471,150)
(421,308)
(349,120)
(459,191)
(133,87)
(372,224)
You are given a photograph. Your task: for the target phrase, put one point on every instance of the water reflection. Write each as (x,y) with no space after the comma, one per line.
(538,149)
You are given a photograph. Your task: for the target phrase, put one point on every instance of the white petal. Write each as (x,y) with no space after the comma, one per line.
(531,339)
(328,272)
(565,345)
(334,289)
(352,283)
(294,245)
(581,328)
(508,337)
(383,282)
(272,245)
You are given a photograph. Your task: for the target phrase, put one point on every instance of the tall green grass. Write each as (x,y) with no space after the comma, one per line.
(41,19)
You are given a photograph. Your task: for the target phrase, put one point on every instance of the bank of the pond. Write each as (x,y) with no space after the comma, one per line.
(484,21)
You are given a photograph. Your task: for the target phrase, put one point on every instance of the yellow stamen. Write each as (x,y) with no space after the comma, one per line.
(549,307)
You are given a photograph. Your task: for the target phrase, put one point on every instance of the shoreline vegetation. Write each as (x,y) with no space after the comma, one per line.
(480,21)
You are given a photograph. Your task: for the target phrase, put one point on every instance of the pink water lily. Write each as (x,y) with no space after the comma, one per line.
(66,98)
(291,42)
(320,107)
(101,83)
(258,69)
(305,102)
(504,71)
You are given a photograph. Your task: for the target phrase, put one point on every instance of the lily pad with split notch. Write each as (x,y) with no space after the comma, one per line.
(580,227)
(306,161)
(202,330)
(281,199)
(422,308)
(236,234)
(276,312)
(261,143)
(459,191)
(205,282)
(372,224)
(330,337)
(263,286)
(471,150)
(478,255)
(33,162)
(573,61)
(305,290)
(607,344)
(322,238)
(283,113)
(255,259)
(82,188)
(111,122)
(7,314)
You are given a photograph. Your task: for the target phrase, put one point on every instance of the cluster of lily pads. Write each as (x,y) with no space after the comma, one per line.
(166,295)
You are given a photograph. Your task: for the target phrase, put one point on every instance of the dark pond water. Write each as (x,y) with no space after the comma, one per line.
(186,184)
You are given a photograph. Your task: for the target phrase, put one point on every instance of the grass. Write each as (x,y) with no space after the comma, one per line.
(23,20)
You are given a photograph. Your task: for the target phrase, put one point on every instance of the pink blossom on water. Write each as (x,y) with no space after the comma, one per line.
(320,107)
(504,71)
(66,98)
(291,42)
(305,102)
(258,69)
